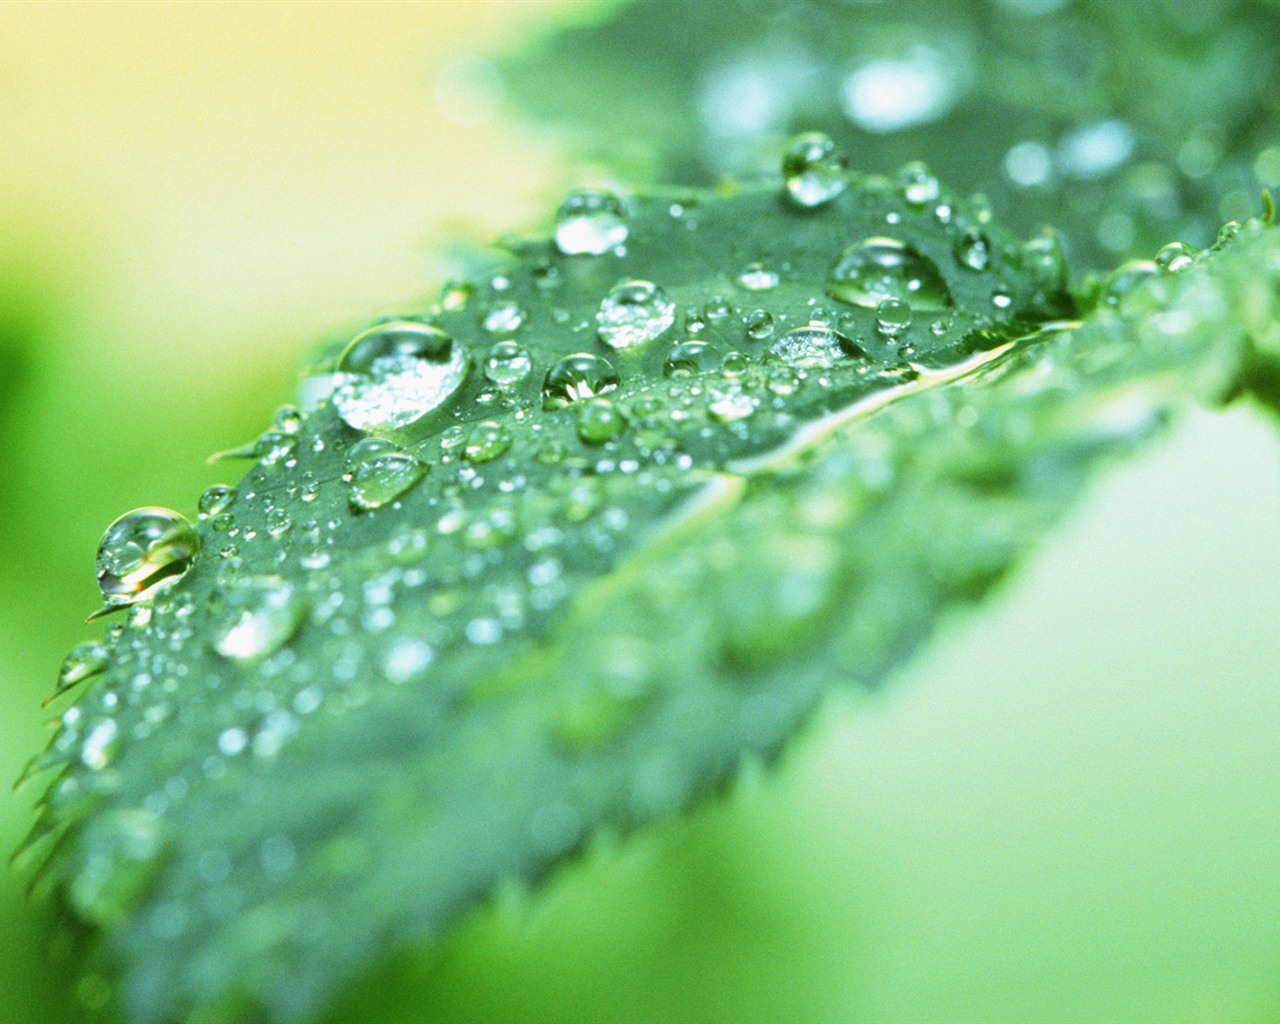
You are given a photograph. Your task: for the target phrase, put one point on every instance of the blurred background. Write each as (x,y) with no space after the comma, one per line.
(1070,810)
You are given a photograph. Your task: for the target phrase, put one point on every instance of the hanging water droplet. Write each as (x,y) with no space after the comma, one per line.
(883,268)
(919,187)
(813,345)
(486,441)
(1174,257)
(1228,231)
(590,222)
(813,170)
(633,313)
(973,250)
(507,364)
(575,377)
(379,473)
(758,324)
(505,318)
(691,357)
(257,616)
(215,500)
(397,373)
(893,316)
(598,420)
(142,550)
(84,661)
(756,277)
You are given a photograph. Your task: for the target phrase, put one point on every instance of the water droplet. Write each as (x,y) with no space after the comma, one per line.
(1229,231)
(1043,259)
(258,615)
(576,377)
(598,420)
(1001,299)
(691,357)
(215,500)
(1125,278)
(973,250)
(759,324)
(507,364)
(731,406)
(893,316)
(716,310)
(756,277)
(1174,257)
(505,318)
(380,472)
(455,294)
(734,364)
(919,187)
(84,661)
(813,345)
(883,268)
(278,522)
(142,550)
(633,313)
(397,373)
(288,419)
(486,441)
(590,222)
(813,170)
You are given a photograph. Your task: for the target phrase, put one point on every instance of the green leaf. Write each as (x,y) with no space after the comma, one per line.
(1124,125)
(403,671)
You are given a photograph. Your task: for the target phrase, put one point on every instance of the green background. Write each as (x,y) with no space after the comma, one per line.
(1069,811)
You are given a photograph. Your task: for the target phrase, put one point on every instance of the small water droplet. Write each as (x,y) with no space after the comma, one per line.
(756,277)
(507,364)
(813,345)
(813,170)
(731,406)
(734,364)
(215,500)
(84,661)
(759,324)
(883,268)
(455,294)
(598,420)
(278,522)
(691,357)
(575,377)
(919,187)
(1125,278)
(486,441)
(973,250)
(633,313)
(717,310)
(288,419)
(1001,299)
(1229,231)
(397,373)
(142,550)
(257,616)
(1174,257)
(590,222)
(893,316)
(380,473)
(504,318)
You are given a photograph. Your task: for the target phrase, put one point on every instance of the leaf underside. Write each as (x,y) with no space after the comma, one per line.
(573,638)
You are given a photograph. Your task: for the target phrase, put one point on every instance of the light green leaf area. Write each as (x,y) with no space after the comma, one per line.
(387,687)
(1124,125)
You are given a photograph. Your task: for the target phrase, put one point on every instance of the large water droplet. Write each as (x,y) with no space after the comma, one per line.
(507,364)
(691,357)
(142,550)
(380,472)
(883,268)
(576,377)
(813,170)
(258,616)
(813,345)
(590,223)
(634,313)
(397,373)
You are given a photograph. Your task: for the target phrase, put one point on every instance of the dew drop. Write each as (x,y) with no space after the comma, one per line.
(972,250)
(633,313)
(813,170)
(278,522)
(759,324)
(258,615)
(142,550)
(813,345)
(504,318)
(893,316)
(486,441)
(691,357)
(84,661)
(590,222)
(507,364)
(576,377)
(1174,257)
(883,268)
(380,473)
(919,187)
(1125,278)
(215,500)
(1043,259)
(598,420)
(756,277)
(397,373)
